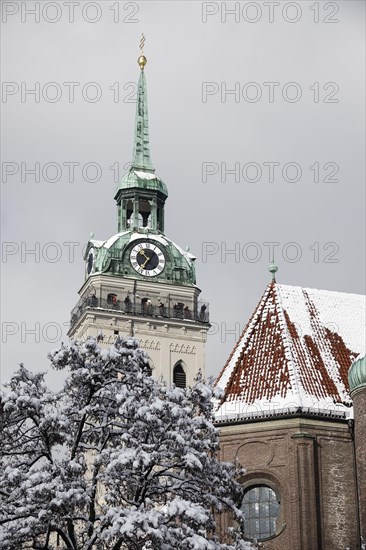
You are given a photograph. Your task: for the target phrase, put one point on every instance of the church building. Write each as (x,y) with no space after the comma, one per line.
(293,405)
(286,416)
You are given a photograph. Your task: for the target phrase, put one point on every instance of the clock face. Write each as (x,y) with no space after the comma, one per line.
(147,259)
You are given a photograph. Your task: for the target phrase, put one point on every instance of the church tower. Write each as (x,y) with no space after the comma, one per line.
(140,283)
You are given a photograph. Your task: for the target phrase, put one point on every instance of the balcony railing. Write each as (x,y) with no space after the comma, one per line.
(146,309)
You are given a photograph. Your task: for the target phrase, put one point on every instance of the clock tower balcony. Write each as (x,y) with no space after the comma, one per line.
(172,310)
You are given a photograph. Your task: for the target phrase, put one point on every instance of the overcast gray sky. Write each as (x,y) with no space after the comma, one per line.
(291,131)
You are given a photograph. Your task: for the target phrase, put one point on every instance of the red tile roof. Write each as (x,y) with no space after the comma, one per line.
(294,352)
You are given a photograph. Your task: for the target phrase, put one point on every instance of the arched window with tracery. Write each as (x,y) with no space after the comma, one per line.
(261,507)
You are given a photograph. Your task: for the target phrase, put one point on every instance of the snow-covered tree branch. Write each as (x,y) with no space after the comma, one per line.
(116,460)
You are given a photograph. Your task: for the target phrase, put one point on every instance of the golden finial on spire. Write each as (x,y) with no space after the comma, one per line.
(142,59)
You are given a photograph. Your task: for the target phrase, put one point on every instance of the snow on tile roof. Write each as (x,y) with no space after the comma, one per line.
(294,352)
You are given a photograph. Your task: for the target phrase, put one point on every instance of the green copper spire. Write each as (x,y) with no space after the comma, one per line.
(141,194)
(141,150)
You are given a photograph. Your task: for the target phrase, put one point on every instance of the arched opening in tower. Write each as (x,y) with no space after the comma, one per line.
(179,376)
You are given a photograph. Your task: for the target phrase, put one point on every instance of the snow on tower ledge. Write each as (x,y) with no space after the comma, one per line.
(294,353)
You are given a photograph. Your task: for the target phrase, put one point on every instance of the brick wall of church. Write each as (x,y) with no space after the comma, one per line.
(309,463)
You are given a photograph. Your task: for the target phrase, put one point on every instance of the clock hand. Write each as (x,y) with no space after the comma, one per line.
(148,258)
(145,262)
(142,252)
